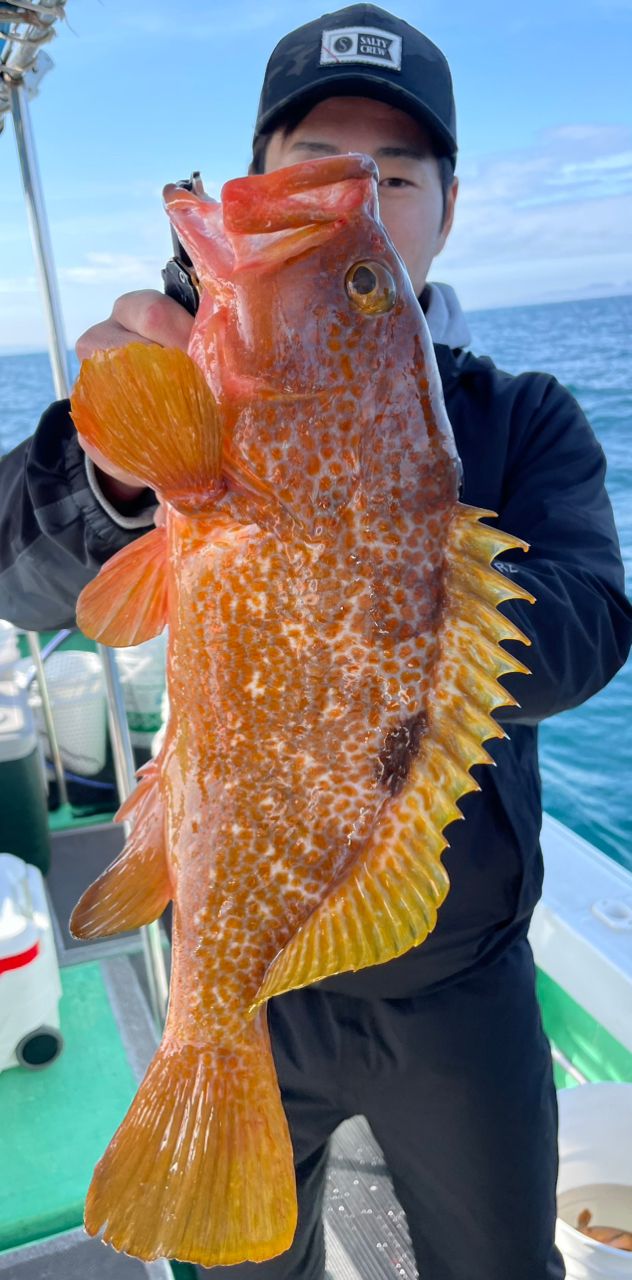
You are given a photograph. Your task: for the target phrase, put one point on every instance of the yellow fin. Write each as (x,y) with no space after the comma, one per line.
(388,901)
(201,1169)
(149,410)
(136,888)
(127,601)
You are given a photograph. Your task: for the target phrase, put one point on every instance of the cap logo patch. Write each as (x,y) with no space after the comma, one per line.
(361,44)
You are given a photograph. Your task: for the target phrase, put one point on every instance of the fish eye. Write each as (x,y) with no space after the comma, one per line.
(371,288)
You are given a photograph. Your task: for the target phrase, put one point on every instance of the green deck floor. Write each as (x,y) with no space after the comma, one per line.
(56,1123)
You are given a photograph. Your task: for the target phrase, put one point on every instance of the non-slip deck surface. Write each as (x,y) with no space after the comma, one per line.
(55,1123)
(75,1257)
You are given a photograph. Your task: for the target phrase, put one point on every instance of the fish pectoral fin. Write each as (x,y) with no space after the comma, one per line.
(127,601)
(389,899)
(201,1169)
(137,887)
(149,410)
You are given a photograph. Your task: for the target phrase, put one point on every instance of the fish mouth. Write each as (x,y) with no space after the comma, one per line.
(271,218)
(298,197)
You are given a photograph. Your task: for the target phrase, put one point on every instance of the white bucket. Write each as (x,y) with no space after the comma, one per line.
(142,669)
(9,651)
(77,693)
(595,1144)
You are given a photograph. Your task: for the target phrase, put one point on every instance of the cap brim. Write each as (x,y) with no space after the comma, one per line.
(365,85)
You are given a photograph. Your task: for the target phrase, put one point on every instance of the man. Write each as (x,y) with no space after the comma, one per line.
(443,1048)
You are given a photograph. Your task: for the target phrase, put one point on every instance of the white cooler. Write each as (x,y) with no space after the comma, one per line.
(30,988)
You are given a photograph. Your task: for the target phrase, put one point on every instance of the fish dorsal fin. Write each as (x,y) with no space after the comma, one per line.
(127,601)
(149,410)
(388,900)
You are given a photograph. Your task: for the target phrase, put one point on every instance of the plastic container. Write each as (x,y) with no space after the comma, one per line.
(30,988)
(76,688)
(9,650)
(23,802)
(142,670)
(595,1142)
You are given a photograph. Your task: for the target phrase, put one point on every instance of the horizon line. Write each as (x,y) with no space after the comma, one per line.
(21,350)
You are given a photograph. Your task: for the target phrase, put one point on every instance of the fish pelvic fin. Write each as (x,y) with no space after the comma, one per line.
(149,410)
(127,601)
(389,899)
(136,888)
(201,1169)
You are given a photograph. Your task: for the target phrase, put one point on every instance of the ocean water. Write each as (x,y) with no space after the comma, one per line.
(586,754)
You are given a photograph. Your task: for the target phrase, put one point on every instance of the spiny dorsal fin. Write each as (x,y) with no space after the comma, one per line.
(388,901)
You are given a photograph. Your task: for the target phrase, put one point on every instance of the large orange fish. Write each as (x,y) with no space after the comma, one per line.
(332,668)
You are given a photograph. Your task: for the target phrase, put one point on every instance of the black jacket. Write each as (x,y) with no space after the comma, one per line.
(528,454)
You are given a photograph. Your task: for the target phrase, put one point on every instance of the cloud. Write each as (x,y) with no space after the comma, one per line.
(105,268)
(545,216)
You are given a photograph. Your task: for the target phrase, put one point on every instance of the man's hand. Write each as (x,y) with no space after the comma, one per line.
(143,316)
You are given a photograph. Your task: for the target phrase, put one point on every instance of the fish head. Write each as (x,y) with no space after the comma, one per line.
(309,333)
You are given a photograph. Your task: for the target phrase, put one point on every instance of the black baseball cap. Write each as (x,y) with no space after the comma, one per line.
(363,51)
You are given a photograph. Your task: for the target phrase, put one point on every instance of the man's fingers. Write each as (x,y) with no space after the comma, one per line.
(104,336)
(154,317)
(142,316)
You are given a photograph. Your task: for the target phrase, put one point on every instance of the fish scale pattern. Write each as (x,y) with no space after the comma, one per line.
(302,670)
(335,648)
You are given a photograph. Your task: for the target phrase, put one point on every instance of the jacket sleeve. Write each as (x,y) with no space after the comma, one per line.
(581,624)
(55,532)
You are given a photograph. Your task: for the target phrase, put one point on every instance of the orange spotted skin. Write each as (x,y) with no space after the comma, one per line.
(309,639)
(333,663)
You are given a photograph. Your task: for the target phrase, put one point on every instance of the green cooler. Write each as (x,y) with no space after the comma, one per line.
(23,808)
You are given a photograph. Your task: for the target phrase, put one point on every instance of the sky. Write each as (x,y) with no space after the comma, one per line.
(140,94)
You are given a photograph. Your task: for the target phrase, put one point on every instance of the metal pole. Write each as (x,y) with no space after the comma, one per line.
(567,1066)
(126,781)
(119,733)
(47,712)
(39,233)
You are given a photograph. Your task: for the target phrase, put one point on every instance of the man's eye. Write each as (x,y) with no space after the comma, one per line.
(394,182)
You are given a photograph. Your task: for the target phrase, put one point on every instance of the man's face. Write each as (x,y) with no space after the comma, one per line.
(411,201)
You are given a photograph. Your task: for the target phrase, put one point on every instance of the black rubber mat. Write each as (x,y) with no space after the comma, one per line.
(77,858)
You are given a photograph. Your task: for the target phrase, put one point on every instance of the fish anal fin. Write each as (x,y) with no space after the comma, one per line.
(389,898)
(127,601)
(137,887)
(201,1168)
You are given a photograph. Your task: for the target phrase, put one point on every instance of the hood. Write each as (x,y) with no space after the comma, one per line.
(444,316)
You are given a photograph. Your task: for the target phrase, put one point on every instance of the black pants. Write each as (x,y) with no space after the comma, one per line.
(457,1087)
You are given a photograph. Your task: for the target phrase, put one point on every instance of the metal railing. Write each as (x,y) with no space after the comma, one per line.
(29,25)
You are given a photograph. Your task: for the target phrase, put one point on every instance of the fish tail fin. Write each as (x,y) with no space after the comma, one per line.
(201,1169)
(149,409)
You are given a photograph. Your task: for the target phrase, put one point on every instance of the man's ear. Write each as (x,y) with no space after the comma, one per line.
(448,217)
